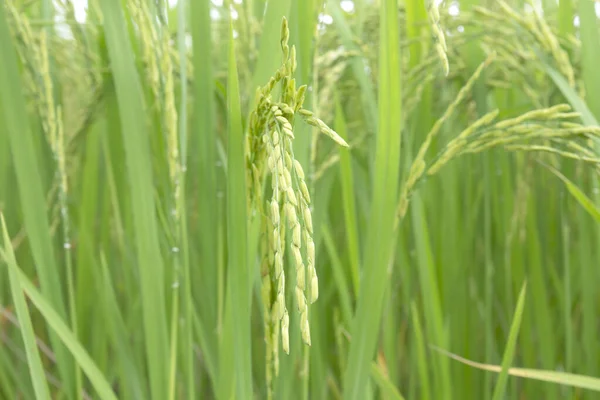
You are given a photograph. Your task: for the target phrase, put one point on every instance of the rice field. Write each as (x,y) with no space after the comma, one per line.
(299,199)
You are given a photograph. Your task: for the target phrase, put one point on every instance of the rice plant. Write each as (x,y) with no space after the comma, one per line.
(299,199)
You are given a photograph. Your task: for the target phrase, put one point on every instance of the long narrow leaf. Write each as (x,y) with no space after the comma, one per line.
(366,324)
(16,125)
(387,387)
(57,324)
(204,140)
(511,344)
(562,378)
(235,346)
(36,369)
(578,194)
(139,167)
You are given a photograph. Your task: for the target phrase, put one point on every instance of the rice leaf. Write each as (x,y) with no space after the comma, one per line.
(348,200)
(139,167)
(387,387)
(338,275)
(511,344)
(576,102)
(578,194)
(235,347)
(203,138)
(380,237)
(430,287)
(566,14)
(421,354)
(36,369)
(16,125)
(57,324)
(561,378)
(590,54)
(117,330)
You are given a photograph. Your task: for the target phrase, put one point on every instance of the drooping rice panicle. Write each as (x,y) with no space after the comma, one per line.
(438,35)
(270,153)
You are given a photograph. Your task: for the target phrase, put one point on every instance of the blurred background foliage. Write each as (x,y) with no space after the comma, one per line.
(122,184)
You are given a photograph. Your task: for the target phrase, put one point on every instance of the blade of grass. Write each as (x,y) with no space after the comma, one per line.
(117,330)
(380,237)
(338,274)
(590,53)
(565,17)
(8,374)
(31,193)
(204,139)
(561,378)
(87,235)
(540,291)
(57,324)
(572,97)
(139,167)
(34,362)
(578,194)
(186,330)
(511,344)
(421,354)
(385,385)
(235,345)
(429,285)
(567,289)
(349,204)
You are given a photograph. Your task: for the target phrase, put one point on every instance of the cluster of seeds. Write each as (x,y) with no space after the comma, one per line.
(548,130)
(540,30)
(438,35)
(290,191)
(417,168)
(270,153)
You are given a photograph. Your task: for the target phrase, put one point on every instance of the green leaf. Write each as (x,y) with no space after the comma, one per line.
(203,138)
(511,344)
(139,172)
(384,383)
(590,54)
(348,200)
(421,354)
(565,17)
(578,194)
(235,348)
(57,324)
(562,378)
(380,237)
(26,164)
(36,369)
(338,274)
(572,97)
